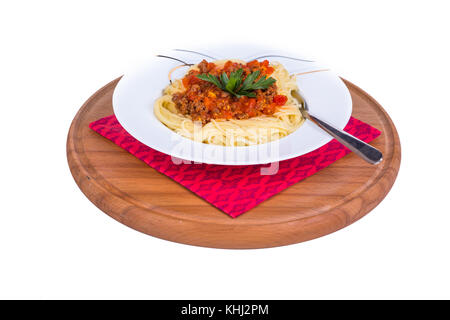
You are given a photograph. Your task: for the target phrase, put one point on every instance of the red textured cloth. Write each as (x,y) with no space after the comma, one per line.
(234,189)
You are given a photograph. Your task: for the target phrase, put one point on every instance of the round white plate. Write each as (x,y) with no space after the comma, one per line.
(327,96)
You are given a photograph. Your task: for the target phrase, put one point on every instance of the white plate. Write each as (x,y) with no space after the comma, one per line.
(327,96)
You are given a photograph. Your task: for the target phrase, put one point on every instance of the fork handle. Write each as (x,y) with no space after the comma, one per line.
(364,150)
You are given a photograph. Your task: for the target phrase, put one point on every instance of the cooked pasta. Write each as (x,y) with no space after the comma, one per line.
(221,118)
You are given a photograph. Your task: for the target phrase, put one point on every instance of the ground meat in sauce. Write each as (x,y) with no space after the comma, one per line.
(203,101)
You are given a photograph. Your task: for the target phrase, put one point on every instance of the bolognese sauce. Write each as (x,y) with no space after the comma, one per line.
(203,101)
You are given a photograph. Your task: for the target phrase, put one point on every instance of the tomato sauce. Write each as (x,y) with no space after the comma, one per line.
(203,101)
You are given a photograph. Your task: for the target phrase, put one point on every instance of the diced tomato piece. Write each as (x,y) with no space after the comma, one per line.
(253,63)
(185,82)
(228,66)
(194,80)
(252,103)
(208,102)
(190,80)
(280,99)
(269,70)
(227,114)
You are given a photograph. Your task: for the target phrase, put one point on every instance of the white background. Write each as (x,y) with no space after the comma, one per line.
(55,244)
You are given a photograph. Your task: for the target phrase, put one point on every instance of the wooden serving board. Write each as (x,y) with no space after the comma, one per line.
(140,197)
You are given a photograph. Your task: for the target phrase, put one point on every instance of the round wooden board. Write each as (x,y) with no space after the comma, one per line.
(140,197)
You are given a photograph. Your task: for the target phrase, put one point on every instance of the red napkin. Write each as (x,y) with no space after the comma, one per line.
(234,189)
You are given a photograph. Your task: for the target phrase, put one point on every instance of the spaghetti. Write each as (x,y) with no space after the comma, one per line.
(201,111)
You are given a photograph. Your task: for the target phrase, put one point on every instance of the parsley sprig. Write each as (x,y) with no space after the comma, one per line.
(234,84)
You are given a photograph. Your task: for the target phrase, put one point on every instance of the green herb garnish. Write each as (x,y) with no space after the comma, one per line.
(234,84)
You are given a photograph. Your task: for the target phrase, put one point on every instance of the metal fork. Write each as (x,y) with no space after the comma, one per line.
(362,149)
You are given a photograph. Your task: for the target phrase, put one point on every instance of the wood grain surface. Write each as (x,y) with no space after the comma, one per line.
(140,197)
